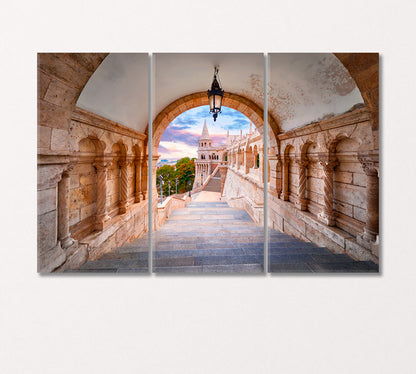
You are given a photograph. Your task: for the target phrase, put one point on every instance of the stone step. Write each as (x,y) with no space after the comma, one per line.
(213,238)
(212,269)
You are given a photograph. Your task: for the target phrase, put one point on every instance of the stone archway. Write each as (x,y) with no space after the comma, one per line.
(244,105)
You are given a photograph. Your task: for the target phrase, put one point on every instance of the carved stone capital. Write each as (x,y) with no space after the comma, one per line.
(302,162)
(122,162)
(101,163)
(328,164)
(138,160)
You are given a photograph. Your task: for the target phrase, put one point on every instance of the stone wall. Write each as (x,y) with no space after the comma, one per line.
(101,185)
(169,204)
(319,189)
(242,191)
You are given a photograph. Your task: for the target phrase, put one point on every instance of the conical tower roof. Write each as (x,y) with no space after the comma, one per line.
(205,133)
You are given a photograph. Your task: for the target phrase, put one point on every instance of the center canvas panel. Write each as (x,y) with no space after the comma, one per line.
(207,143)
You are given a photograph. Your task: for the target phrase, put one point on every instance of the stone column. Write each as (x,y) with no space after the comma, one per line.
(301,202)
(101,165)
(138,196)
(246,165)
(237,163)
(64,235)
(327,215)
(261,166)
(285,179)
(123,164)
(371,229)
(144,177)
(255,160)
(279,169)
(274,173)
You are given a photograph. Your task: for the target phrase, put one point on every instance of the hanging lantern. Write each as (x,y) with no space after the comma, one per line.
(215,95)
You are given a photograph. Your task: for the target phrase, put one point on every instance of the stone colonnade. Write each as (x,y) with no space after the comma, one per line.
(85,181)
(335,171)
(202,171)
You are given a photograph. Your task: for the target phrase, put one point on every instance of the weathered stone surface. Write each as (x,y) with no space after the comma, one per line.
(89,179)
(47,231)
(354,194)
(77,259)
(360,179)
(55,65)
(341,207)
(343,177)
(74,217)
(49,176)
(87,211)
(51,259)
(59,140)
(351,167)
(61,94)
(44,137)
(322,240)
(46,200)
(359,214)
(50,115)
(358,252)
(43,83)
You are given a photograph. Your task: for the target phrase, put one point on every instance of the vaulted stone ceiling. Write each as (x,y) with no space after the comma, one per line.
(303,88)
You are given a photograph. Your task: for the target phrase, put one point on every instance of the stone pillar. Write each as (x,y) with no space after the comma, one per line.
(275,180)
(144,177)
(261,166)
(138,195)
(237,163)
(64,235)
(101,165)
(327,215)
(246,164)
(123,164)
(255,160)
(371,229)
(285,179)
(301,202)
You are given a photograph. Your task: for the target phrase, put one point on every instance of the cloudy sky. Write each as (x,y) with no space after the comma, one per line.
(180,139)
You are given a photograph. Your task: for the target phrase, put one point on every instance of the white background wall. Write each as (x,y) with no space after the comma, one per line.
(275,324)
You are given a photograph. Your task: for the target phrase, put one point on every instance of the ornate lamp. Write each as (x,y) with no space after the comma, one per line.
(215,95)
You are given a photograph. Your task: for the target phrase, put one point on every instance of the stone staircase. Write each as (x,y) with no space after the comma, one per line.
(211,237)
(214,184)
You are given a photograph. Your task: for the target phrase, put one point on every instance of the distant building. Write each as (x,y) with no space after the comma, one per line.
(209,155)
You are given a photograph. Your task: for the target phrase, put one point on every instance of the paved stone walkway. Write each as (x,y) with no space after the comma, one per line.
(210,237)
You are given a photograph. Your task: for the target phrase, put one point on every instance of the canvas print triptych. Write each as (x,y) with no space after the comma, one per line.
(208,163)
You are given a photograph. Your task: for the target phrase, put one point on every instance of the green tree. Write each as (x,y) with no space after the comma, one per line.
(168,174)
(185,171)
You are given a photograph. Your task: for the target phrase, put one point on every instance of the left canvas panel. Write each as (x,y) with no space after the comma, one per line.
(92,162)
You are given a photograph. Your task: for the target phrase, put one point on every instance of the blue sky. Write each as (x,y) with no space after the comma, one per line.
(180,139)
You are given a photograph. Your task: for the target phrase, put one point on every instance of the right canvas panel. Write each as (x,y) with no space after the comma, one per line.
(323,162)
